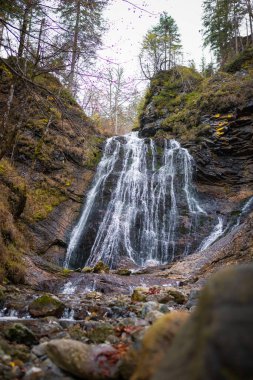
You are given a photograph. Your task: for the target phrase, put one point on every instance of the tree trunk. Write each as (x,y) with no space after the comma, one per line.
(38,52)
(1,29)
(8,108)
(250,18)
(75,47)
(23,31)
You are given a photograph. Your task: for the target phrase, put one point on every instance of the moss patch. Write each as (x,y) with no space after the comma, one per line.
(41,202)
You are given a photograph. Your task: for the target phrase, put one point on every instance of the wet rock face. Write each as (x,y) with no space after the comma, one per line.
(216,342)
(225,154)
(142,207)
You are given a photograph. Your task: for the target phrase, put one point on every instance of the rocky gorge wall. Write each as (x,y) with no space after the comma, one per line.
(43,176)
(213,118)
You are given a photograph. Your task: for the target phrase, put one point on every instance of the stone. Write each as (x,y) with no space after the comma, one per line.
(158,336)
(149,306)
(139,295)
(124,272)
(172,295)
(153,315)
(216,342)
(100,333)
(40,349)
(100,267)
(193,298)
(46,305)
(34,373)
(20,334)
(96,362)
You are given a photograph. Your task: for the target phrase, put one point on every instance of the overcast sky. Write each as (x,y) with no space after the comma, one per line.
(128,25)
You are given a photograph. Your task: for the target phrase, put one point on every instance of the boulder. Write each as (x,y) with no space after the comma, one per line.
(46,305)
(100,267)
(158,336)
(85,361)
(216,342)
(20,334)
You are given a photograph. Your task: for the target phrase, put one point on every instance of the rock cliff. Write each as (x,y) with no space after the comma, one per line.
(44,173)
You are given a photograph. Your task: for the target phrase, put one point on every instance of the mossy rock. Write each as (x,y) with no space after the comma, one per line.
(20,334)
(139,295)
(243,60)
(100,334)
(87,270)
(100,267)
(123,272)
(174,296)
(46,305)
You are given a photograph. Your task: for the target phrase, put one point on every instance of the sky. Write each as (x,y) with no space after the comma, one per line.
(128,25)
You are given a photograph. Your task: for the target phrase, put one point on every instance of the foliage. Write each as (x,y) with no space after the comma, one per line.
(181,102)
(222,23)
(161,47)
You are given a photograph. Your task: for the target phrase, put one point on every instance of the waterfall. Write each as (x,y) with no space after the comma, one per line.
(142,206)
(215,234)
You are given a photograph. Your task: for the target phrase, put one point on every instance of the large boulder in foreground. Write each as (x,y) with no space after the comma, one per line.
(46,305)
(216,343)
(158,336)
(85,361)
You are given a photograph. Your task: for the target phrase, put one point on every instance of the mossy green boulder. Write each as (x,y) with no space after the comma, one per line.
(20,334)
(100,267)
(46,305)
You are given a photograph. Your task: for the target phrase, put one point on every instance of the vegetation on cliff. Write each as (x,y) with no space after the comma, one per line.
(45,143)
(181,103)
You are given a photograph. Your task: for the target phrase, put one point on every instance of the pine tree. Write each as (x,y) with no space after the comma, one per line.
(82,26)
(161,47)
(222,20)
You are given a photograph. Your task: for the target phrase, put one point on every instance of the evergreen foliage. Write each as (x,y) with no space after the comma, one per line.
(161,47)
(224,21)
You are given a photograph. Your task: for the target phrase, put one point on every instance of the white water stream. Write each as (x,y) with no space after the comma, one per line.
(215,234)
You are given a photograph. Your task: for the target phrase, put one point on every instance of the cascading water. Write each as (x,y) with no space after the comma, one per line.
(142,206)
(215,234)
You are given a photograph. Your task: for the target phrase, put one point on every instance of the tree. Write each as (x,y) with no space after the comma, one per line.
(82,28)
(161,47)
(222,22)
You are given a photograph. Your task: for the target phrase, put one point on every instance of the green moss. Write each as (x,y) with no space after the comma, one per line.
(138,296)
(100,333)
(100,267)
(243,60)
(45,300)
(14,265)
(66,272)
(87,270)
(93,157)
(42,201)
(56,113)
(123,272)
(4,70)
(20,334)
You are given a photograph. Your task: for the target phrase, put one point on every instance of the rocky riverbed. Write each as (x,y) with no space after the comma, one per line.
(120,324)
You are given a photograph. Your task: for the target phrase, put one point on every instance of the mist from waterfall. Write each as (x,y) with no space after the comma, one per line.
(150,208)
